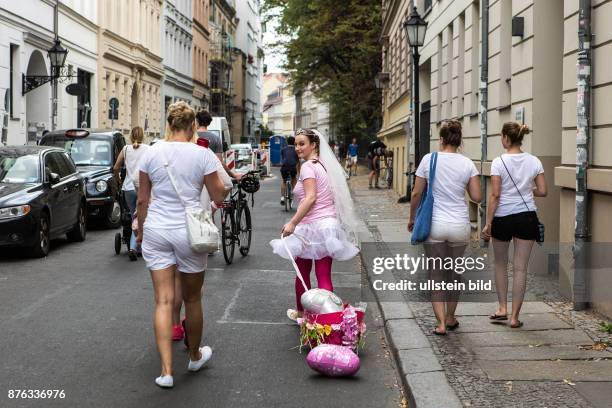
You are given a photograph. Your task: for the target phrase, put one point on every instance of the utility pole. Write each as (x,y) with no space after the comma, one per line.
(583,130)
(484,109)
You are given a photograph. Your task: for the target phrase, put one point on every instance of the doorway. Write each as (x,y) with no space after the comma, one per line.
(38,110)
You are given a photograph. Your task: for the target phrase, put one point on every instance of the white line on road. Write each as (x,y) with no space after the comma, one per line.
(231,304)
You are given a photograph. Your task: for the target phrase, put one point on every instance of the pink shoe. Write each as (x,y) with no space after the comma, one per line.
(177,332)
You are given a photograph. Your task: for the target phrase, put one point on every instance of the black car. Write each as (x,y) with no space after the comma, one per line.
(94,152)
(42,196)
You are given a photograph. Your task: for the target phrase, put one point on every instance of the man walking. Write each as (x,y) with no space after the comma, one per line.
(375,151)
(215,144)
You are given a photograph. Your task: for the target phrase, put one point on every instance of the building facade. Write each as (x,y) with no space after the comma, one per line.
(200,54)
(278,104)
(238,96)
(249,41)
(531,80)
(27,31)
(222,25)
(130,64)
(177,34)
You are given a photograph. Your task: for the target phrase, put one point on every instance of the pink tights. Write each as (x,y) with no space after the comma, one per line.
(322,271)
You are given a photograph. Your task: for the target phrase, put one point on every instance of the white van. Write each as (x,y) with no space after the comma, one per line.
(220,127)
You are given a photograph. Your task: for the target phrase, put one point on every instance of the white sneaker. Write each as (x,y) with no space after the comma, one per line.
(197,365)
(165,381)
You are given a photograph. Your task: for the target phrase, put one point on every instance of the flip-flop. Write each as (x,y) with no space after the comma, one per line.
(453,326)
(495,316)
(517,325)
(437,333)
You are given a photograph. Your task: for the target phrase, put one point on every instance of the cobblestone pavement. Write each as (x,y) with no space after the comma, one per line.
(468,380)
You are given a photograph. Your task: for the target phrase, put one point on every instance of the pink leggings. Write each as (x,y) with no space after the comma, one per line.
(322,271)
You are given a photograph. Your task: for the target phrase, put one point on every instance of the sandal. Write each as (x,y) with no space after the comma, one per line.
(453,326)
(516,325)
(495,316)
(437,333)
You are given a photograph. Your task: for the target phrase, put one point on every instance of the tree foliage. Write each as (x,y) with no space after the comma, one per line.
(333,46)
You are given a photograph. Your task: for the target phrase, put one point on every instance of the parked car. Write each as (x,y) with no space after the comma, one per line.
(244,157)
(42,196)
(94,152)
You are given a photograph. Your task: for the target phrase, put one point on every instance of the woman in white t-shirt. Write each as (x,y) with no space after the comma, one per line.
(450,226)
(162,231)
(516,177)
(130,155)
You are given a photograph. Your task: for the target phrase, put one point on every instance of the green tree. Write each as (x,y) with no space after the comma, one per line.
(333,46)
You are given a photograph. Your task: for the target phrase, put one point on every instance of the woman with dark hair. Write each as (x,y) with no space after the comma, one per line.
(131,155)
(450,226)
(516,178)
(323,227)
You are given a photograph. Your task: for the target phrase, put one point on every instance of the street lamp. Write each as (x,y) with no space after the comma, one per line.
(415,28)
(57,56)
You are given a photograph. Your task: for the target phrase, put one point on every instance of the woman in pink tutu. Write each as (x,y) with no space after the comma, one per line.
(323,227)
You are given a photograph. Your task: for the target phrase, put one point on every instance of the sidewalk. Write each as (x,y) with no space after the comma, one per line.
(555,360)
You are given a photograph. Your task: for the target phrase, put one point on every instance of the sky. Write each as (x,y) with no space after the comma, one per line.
(273,59)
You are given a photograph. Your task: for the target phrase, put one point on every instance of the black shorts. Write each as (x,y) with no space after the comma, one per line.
(521,225)
(287,172)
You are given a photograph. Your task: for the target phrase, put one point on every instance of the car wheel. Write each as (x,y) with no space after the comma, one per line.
(43,239)
(79,231)
(113,215)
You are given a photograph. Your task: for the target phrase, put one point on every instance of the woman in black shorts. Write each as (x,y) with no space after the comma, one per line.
(516,178)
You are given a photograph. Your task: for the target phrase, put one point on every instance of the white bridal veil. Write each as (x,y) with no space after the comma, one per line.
(342,195)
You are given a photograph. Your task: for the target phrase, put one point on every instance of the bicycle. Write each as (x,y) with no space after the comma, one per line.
(236,227)
(288,194)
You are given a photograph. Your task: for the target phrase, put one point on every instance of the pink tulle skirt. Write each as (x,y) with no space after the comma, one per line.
(316,240)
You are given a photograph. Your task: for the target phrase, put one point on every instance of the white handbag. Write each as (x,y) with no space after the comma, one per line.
(202,233)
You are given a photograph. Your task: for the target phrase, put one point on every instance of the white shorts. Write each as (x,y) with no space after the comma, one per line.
(162,248)
(448,232)
(352,160)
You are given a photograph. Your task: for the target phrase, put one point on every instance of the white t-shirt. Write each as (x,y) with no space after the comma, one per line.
(453,172)
(189,163)
(132,158)
(524,168)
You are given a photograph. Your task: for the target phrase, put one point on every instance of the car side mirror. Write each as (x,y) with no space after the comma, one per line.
(54,178)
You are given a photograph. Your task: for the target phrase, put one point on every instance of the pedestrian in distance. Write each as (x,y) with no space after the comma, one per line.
(162,231)
(215,143)
(516,178)
(375,151)
(323,227)
(130,155)
(353,151)
(289,166)
(450,224)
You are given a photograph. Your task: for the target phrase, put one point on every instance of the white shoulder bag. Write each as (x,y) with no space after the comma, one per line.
(202,233)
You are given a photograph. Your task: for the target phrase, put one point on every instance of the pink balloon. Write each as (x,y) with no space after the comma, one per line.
(333,360)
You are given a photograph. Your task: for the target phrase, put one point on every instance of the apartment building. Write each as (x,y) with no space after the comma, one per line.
(532,56)
(200,53)
(130,64)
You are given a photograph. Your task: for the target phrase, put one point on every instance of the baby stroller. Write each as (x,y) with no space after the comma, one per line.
(126,226)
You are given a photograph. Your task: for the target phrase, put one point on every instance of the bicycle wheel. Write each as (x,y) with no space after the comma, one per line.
(245,230)
(227,235)
(290,195)
(287,195)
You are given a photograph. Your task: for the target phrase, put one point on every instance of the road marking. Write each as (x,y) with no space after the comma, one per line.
(27,311)
(286,271)
(223,321)
(231,304)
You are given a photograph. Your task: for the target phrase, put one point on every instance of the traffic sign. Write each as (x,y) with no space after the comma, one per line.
(113,103)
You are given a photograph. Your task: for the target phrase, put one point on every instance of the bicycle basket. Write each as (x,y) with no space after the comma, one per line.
(249,183)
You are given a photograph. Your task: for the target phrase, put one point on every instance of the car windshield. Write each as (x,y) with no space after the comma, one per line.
(85,152)
(216,132)
(19,169)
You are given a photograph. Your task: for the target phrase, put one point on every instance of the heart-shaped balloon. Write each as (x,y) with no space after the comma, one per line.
(333,360)
(321,301)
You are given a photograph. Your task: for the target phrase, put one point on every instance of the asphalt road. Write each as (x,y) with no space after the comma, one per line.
(80,320)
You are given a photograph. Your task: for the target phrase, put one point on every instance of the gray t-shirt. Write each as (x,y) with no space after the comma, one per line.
(215,144)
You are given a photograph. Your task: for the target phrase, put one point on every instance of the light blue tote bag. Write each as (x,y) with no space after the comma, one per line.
(422,222)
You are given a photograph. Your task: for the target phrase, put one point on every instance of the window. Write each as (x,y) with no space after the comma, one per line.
(68,163)
(55,164)
(13,75)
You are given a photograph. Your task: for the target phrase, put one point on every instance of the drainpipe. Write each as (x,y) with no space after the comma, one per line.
(54,74)
(583,119)
(484,103)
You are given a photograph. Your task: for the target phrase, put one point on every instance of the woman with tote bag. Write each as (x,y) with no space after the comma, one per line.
(449,234)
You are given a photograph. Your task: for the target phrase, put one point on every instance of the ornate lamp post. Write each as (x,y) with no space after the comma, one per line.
(415,28)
